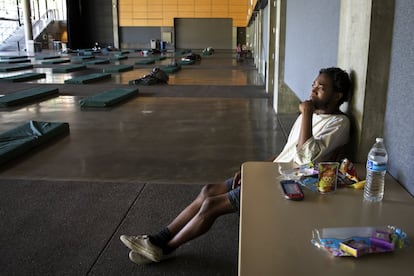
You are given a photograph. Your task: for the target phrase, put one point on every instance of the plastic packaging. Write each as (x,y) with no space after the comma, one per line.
(328,172)
(376,169)
(359,241)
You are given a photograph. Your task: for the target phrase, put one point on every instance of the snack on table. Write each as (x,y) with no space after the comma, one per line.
(327,177)
(347,174)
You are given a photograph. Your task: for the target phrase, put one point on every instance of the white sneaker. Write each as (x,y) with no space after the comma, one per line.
(138,259)
(142,245)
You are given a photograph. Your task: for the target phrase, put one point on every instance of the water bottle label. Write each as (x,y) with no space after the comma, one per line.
(377,167)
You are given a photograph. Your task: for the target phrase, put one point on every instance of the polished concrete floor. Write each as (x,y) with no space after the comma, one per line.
(191,138)
(131,168)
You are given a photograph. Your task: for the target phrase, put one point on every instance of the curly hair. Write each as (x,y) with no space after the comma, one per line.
(340,80)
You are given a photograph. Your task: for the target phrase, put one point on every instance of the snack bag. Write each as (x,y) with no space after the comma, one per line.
(359,241)
(347,174)
(328,172)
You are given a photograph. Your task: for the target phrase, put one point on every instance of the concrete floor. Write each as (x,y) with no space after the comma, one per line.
(194,138)
(96,183)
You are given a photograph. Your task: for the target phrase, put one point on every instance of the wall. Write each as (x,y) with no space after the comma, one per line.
(138,37)
(398,129)
(312,29)
(199,33)
(146,13)
(100,21)
(265,39)
(191,33)
(87,24)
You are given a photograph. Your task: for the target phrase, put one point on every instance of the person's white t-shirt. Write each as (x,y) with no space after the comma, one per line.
(330,131)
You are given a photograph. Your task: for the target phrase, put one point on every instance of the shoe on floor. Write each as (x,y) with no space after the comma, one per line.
(142,245)
(138,259)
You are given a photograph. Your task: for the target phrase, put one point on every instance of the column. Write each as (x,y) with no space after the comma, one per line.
(28,32)
(115,22)
(365,37)
(284,100)
(271,47)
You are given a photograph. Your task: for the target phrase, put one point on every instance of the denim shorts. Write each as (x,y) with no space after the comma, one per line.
(233,194)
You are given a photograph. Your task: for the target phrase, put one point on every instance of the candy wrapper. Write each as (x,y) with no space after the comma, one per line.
(328,172)
(289,172)
(347,174)
(359,241)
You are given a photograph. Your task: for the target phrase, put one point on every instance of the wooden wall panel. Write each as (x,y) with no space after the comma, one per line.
(185,2)
(170,2)
(168,21)
(163,12)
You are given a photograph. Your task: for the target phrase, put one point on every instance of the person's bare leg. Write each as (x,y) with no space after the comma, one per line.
(191,210)
(211,208)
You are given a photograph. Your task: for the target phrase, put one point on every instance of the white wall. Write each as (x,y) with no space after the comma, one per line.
(312,30)
(399,127)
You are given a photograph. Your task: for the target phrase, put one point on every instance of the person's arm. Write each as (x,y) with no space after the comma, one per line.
(307,109)
(320,146)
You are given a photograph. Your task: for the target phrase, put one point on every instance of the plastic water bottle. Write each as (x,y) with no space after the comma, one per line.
(376,169)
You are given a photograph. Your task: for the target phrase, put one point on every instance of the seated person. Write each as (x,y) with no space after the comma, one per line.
(317,133)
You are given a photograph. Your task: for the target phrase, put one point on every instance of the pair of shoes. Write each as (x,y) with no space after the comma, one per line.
(143,246)
(138,259)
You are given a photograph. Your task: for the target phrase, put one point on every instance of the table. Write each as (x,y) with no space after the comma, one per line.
(275,233)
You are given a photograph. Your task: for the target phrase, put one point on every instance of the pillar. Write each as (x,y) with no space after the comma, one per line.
(284,99)
(364,49)
(271,47)
(28,31)
(115,22)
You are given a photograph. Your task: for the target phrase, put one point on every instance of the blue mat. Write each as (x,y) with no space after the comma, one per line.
(171,68)
(97,61)
(118,57)
(22,139)
(15,67)
(160,58)
(89,78)
(23,77)
(10,61)
(145,61)
(56,61)
(12,57)
(68,68)
(27,96)
(82,58)
(118,68)
(47,57)
(109,98)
